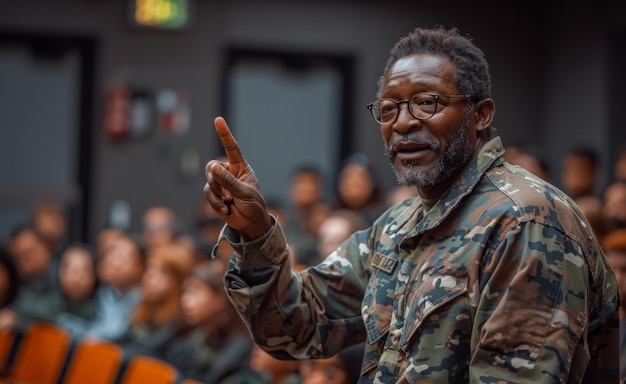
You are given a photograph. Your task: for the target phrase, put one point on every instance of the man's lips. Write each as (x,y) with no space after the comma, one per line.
(410,147)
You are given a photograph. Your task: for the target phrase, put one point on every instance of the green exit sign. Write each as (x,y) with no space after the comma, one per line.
(167,14)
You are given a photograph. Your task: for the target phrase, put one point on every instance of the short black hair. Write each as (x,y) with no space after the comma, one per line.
(472,70)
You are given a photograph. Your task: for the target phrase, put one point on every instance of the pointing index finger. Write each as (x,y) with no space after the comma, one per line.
(228,141)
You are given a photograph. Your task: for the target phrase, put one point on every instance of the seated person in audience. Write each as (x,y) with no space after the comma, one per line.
(120,270)
(343,368)
(79,282)
(9,279)
(215,342)
(157,318)
(39,297)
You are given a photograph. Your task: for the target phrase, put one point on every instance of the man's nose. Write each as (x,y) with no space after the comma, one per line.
(405,121)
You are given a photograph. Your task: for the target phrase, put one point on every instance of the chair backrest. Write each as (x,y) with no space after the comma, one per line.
(148,370)
(41,354)
(7,338)
(94,362)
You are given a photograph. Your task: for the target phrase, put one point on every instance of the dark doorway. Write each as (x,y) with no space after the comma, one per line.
(46,98)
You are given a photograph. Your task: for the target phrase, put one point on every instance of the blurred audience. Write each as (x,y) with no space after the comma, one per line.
(39,293)
(157,318)
(215,342)
(120,271)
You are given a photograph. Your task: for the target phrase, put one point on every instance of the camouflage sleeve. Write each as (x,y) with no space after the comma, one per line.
(290,315)
(535,308)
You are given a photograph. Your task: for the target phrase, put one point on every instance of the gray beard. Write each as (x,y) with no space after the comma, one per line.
(454,158)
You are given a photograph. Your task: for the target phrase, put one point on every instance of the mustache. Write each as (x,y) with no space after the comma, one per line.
(414,138)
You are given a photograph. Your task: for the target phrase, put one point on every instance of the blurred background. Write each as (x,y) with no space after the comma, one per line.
(107,105)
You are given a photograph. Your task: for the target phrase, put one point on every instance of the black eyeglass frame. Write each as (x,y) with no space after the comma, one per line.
(435,97)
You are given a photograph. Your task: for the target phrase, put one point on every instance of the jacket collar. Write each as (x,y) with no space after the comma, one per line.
(415,220)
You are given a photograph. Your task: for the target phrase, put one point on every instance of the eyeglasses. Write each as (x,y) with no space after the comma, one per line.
(422,106)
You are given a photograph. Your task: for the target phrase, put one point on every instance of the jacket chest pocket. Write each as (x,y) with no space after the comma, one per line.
(438,295)
(377,309)
(385,298)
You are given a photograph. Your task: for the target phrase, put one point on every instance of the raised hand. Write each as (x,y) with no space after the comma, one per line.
(233,190)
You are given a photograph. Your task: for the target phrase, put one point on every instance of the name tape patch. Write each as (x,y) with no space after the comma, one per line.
(384,263)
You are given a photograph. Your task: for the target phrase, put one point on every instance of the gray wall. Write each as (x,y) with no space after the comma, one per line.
(550,78)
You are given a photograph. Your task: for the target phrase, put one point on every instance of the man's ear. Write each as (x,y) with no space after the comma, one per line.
(484,112)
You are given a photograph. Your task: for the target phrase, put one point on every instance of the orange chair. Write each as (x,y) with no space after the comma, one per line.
(148,370)
(41,354)
(94,362)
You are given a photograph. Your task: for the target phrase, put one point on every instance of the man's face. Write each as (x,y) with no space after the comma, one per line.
(425,153)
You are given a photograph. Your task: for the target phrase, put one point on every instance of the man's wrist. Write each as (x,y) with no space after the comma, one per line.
(257,230)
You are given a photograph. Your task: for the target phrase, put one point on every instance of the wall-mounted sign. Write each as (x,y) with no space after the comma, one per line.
(164,14)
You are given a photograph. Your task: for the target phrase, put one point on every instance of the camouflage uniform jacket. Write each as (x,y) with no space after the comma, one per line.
(500,281)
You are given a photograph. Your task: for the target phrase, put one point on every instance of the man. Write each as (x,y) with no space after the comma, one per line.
(489,275)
